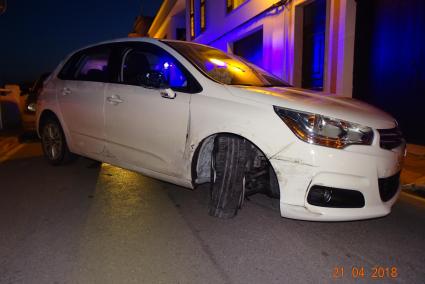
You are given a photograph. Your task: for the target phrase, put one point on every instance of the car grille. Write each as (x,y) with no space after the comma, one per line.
(388,186)
(390,138)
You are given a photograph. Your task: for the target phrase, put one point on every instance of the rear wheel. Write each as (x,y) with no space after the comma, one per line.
(54,144)
(228,169)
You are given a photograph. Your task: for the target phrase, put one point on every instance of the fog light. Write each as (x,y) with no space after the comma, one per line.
(335,197)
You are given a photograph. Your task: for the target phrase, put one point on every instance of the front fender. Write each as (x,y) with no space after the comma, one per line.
(255,122)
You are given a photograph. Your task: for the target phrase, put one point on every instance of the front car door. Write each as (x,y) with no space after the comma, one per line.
(81,95)
(144,129)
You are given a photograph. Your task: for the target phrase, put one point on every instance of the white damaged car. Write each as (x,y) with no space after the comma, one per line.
(191,114)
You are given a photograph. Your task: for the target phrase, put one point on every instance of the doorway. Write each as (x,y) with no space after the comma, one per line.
(389,61)
(250,48)
(313,54)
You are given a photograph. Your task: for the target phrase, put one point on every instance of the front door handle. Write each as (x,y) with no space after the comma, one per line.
(114,99)
(66,91)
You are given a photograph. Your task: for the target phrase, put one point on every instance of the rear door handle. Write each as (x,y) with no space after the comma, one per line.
(114,99)
(66,91)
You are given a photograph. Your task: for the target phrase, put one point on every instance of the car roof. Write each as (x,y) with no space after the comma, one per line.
(119,40)
(135,39)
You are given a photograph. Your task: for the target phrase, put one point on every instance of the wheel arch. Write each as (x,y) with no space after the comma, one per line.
(49,113)
(44,116)
(203,152)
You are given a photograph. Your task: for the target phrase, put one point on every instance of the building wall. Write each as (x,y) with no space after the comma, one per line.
(219,22)
(178,21)
(170,17)
(222,30)
(389,61)
(282,37)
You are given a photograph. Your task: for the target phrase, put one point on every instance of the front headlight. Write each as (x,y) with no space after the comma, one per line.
(325,131)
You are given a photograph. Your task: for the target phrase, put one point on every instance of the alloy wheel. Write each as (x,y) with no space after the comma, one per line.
(52,141)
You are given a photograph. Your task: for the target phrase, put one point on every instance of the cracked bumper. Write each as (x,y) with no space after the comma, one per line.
(300,166)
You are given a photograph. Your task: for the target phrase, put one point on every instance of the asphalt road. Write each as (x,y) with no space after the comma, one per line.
(95,223)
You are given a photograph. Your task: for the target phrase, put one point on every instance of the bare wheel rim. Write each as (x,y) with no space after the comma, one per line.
(52,141)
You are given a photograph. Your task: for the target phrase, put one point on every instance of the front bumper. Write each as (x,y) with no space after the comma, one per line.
(300,166)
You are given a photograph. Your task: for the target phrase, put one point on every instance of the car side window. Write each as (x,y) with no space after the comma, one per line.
(93,66)
(88,65)
(139,62)
(68,70)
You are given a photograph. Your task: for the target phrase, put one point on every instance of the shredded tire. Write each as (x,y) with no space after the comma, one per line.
(228,175)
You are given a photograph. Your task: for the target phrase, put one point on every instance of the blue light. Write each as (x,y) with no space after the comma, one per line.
(171,71)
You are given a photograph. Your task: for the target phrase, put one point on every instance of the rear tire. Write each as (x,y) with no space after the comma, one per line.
(54,144)
(228,175)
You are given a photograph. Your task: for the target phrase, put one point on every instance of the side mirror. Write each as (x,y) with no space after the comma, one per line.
(156,79)
(168,93)
(32,107)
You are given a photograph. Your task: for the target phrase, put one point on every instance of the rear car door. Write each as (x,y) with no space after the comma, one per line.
(144,129)
(81,96)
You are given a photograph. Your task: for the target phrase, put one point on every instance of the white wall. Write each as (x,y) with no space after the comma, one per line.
(219,22)
(282,37)
(171,15)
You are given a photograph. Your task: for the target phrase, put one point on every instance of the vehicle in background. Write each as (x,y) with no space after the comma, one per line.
(17,105)
(12,106)
(29,110)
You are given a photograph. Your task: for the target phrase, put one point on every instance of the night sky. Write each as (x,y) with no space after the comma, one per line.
(36,35)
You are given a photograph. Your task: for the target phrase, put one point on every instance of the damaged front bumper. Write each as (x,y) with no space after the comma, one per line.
(301,166)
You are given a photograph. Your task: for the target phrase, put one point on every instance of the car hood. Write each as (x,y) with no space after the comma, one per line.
(334,106)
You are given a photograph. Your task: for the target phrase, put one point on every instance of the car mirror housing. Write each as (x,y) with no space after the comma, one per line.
(156,79)
(168,93)
(32,107)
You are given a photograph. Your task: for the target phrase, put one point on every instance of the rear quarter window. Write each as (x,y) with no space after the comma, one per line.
(88,65)
(68,70)
(93,66)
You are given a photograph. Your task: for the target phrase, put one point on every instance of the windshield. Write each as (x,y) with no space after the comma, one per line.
(226,68)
